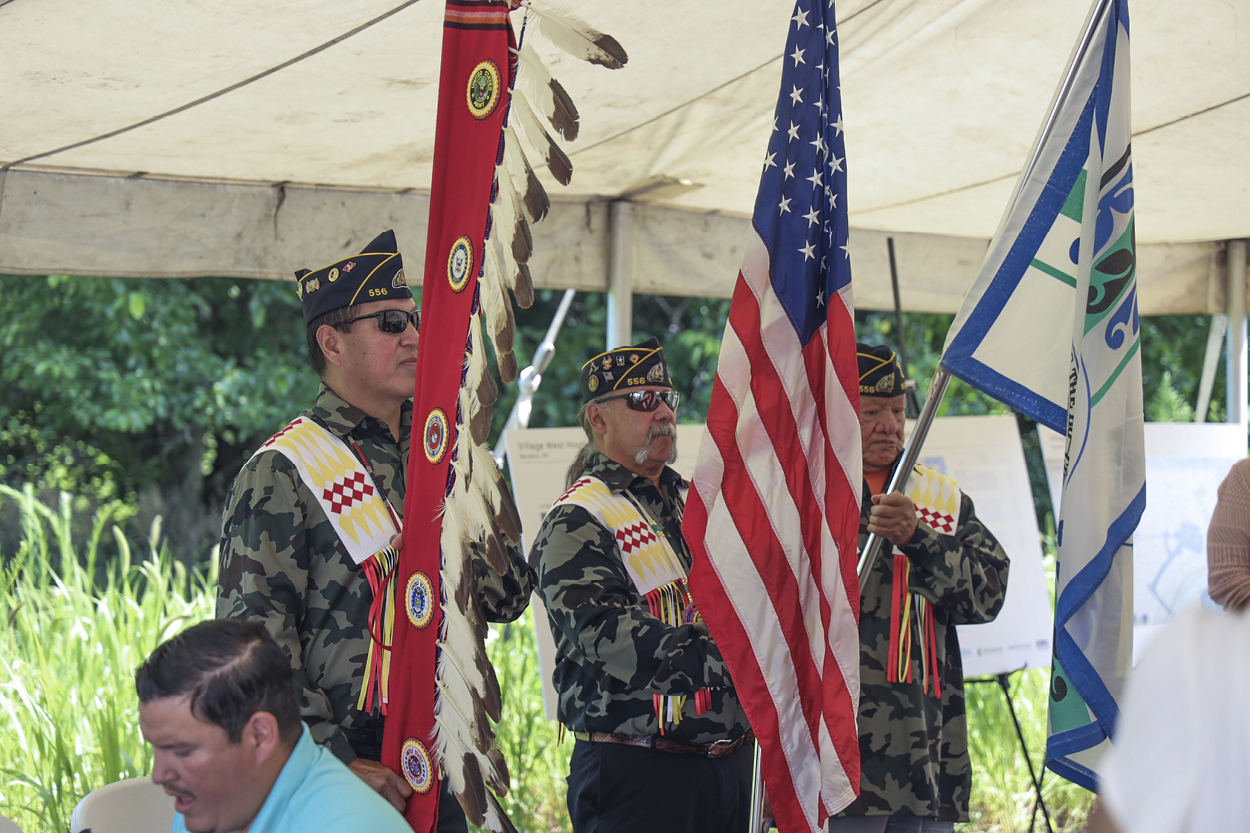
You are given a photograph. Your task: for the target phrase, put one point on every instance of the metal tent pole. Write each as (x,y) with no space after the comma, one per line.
(1235,357)
(1211,358)
(620,274)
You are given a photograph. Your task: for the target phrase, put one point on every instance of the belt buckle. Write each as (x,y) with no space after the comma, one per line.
(717,748)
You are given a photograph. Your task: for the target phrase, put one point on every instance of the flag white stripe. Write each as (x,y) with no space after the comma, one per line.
(769,482)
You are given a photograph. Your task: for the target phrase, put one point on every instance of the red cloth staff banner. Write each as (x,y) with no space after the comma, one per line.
(472,100)
(773,513)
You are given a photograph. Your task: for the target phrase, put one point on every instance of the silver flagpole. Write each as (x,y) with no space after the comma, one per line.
(757,793)
(937,389)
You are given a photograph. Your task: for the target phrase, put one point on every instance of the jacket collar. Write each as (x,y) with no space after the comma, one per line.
(618,478)
(343,418)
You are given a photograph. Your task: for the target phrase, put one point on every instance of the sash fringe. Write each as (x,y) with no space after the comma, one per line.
(671,604)
(908,609)
(380,571)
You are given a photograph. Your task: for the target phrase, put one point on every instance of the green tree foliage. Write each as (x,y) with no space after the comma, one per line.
(152,393)
(145,391)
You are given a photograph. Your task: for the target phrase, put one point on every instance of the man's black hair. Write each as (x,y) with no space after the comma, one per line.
(335,318)
(230,669)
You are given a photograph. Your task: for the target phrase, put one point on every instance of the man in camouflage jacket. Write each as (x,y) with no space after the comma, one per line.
(622,662)
(281,558)
(916,774)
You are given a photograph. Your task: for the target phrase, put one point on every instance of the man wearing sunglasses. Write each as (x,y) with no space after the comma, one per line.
(661,742)
(313,507)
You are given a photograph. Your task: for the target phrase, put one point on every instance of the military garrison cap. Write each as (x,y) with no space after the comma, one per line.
(376,274)
(624,368)
(879,371)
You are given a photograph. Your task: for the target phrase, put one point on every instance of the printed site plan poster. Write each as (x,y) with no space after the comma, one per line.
(1185,464)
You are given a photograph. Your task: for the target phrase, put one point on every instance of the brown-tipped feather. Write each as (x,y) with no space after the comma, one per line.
(503,823)
(507,367)
(510,218)
(479,424)
(509,334)
(507,516)
(612,47)
(487,390)
(522,239)
(564,115)
(573,35)
(496,758)
(479,727)
(523,290)
(473,797)
(496,553)
(557,162)
(556,103)
(494,696)
(537,203)
(496,308)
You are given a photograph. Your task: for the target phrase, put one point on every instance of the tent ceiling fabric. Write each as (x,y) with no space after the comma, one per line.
(181,137)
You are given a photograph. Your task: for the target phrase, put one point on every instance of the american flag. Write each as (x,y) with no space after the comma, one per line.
(773,513)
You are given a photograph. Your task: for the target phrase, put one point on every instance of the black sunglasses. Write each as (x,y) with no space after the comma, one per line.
(647,400)
(393,321)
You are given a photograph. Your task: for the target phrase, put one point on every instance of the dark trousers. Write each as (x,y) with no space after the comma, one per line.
(628,789)
(366,742)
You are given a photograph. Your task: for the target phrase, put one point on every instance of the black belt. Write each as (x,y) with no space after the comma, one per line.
(715,749)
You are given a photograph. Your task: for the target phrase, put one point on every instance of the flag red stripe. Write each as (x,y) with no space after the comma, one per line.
(833,702)
(747,675)
(751,519)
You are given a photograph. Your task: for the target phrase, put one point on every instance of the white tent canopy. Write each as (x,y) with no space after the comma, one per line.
(183,138)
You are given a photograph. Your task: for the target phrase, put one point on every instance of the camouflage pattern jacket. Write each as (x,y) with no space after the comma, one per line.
(612,655)
(281,561)
(913,746)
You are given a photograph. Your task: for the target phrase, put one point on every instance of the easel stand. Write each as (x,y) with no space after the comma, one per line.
(1004,682)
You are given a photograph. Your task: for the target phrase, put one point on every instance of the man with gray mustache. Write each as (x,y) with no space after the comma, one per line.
(662,743)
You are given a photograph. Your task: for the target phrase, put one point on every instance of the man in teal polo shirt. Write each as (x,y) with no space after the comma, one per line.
(219,705)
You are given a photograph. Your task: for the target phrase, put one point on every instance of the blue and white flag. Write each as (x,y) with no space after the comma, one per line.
(1050,327)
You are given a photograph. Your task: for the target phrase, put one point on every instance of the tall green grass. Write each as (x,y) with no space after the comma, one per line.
(1002,791)
(74,631)
(537,762)
(76,620)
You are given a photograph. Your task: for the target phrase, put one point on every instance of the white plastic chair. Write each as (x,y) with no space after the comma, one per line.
(135,805)
(7,825)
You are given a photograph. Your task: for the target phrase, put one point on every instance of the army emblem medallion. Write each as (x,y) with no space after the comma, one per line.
(483,92)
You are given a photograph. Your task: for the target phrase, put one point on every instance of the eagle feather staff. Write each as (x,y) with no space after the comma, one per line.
(444,694)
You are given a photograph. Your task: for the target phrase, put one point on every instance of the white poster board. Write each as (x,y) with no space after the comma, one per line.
(986,458)
(983,453)
(1185,464)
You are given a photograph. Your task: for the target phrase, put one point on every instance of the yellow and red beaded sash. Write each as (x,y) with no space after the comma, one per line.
(364,522)
(652,565)
(936,498)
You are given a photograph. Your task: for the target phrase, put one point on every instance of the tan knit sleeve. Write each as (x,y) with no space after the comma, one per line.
(1228,540)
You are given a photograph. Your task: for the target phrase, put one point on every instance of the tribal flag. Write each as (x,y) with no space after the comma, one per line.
(773,513)
(1050,327)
